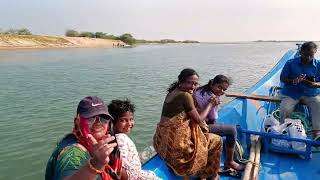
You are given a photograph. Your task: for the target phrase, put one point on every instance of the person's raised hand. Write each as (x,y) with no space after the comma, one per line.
(101,149)
(214,100)
(300,78)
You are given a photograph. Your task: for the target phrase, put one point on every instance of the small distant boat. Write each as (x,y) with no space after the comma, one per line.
(247,112)
(127,46)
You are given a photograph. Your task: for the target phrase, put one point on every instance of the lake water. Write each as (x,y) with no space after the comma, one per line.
(40,90)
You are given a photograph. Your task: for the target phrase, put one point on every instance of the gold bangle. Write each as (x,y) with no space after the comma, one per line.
(93,168)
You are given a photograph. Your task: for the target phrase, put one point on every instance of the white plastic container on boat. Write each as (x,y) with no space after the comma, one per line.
(296,130)
(270,121)
(279,130)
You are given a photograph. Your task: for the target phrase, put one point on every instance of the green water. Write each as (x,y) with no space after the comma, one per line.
(40,89)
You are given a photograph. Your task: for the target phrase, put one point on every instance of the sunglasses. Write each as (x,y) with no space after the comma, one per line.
(102,120)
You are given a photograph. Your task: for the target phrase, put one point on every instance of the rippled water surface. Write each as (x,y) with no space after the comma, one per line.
(40,89)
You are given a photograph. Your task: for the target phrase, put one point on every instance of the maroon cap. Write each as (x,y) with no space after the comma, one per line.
(92,106)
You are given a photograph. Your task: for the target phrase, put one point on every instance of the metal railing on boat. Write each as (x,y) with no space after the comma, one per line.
(266,139)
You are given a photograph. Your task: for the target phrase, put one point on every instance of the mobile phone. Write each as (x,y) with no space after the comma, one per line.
(116,151)
(115,157)
(84,127)
(311,78)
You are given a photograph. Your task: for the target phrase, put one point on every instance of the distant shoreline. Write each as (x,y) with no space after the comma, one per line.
(278,41)
(8,42)
(16,42)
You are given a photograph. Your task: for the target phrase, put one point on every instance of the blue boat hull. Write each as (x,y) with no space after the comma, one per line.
(249,115)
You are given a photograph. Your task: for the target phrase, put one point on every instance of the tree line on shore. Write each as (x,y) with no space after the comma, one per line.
(126,38)
(11,31)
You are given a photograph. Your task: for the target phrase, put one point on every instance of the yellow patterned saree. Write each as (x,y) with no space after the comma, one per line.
(187,148)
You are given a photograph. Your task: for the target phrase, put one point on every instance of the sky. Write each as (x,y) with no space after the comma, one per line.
(202,20)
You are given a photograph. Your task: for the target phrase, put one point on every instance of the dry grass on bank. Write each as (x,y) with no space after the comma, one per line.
(36,41)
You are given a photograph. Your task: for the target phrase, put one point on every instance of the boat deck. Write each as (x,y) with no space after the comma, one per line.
(248,113)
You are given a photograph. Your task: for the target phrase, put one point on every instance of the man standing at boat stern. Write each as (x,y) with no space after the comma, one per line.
(301,77)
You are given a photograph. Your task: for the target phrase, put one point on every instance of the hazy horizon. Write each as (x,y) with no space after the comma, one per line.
(203,20)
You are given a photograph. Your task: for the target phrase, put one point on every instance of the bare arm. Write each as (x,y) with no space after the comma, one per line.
(83,173)
(312,84)
(286,81)
(201,116)
(297,80)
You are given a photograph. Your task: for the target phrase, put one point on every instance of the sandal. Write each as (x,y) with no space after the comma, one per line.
(230,172)
(238,167)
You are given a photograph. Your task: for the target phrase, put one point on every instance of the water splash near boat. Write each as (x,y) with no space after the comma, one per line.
(147,153)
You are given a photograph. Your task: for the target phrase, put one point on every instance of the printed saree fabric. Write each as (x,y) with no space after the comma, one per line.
(187,148)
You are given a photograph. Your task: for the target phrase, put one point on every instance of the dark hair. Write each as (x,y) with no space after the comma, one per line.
(118,107)
(308,46)
(216,80)
(184,74)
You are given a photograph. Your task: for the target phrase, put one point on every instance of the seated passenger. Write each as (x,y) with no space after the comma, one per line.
(181,137)
(301,76)
(123,113)
(85,153)
(215,88)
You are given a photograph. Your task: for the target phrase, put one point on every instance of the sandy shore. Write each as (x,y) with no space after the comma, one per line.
(34,41)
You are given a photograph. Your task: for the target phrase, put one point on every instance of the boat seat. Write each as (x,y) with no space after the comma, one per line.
(254,97)
(257,97)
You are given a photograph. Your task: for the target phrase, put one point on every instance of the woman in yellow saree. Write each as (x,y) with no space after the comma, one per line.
(182,138)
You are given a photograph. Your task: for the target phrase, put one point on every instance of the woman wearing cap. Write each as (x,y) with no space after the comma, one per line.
(85,153)
(123,113)
(182,138)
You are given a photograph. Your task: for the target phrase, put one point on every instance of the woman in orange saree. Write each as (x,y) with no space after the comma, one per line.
(182,138)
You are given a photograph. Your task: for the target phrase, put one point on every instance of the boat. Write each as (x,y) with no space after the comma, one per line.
(248,111)
(127,46)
